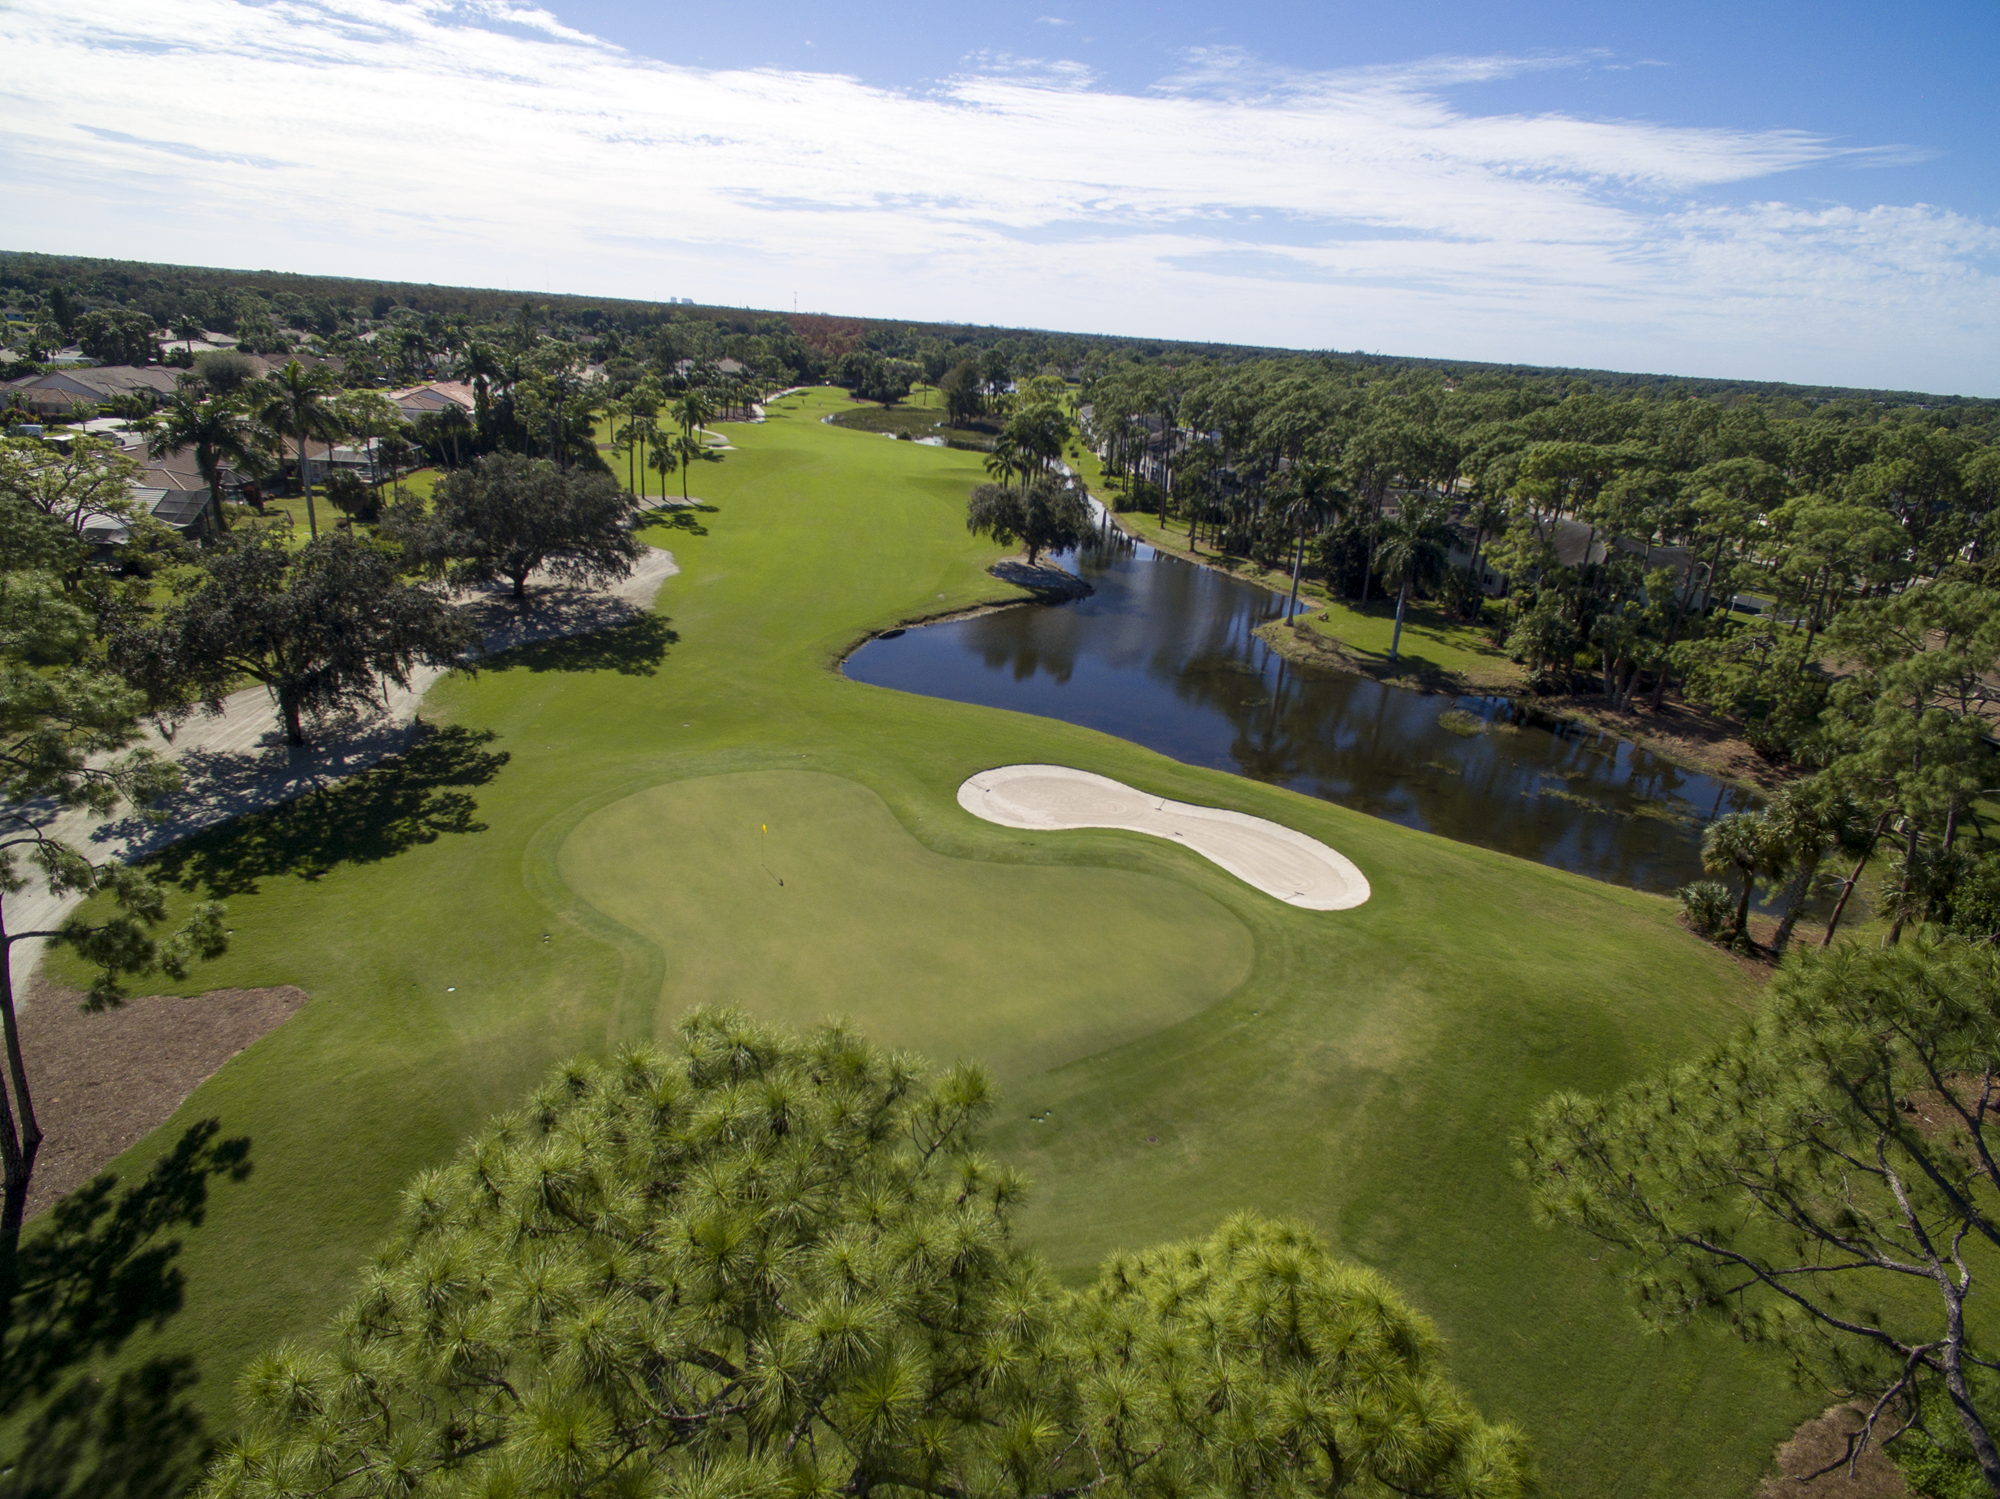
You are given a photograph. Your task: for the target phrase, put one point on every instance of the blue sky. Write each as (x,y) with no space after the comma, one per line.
(1752,190)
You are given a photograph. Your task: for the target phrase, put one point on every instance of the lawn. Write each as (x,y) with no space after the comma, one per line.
(1433,642)
(579,856)
(1434,646)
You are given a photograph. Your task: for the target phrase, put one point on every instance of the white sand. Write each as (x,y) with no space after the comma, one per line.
(1278,860)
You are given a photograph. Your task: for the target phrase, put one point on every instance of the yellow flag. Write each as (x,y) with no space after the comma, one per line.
(763,827)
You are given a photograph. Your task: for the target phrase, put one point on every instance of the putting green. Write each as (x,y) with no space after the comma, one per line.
(1006,964)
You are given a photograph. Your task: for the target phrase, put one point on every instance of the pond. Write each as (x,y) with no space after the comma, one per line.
(1165,653)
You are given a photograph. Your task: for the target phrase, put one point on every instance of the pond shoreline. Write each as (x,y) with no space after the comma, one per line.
(1041,583)
(1178,659)
(1695,741)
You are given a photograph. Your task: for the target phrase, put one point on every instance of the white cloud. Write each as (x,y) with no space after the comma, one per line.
(489,144)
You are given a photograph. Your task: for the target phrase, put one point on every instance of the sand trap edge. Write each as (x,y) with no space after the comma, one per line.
(1282,862)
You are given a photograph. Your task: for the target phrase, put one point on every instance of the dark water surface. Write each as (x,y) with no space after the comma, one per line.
(1164,653)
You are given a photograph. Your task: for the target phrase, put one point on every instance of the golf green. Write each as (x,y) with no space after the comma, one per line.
(566,865)
(833,906)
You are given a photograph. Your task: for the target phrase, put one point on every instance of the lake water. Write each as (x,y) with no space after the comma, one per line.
(1165,653)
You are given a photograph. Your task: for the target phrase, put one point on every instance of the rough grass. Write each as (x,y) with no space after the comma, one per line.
(571,880)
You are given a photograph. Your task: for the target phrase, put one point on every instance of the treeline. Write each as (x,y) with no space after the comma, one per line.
(791,347)
(1615,534)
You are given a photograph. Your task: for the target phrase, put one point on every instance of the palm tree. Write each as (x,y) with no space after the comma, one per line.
(692,412)
(299,403)
(366,414)
(1741,842)
(414,348)
(1488,513)
(1308,506)
(480,366)
(688,450)
(1006,460)
(637,433)
(664,461)
(220,431)
(1806,823)
(1412,542)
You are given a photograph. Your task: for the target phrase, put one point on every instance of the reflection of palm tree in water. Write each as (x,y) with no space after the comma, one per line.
(1167,653)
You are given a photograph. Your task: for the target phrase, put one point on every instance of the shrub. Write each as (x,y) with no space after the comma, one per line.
(1708,907)
(352,498)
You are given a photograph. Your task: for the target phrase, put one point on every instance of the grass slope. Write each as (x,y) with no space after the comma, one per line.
(567,865)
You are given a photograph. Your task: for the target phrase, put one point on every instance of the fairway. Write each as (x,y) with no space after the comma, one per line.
(837,911)
(583,867)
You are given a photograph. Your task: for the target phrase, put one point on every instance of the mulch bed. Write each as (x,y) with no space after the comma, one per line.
(1823,1440)
(102,1082)
(1678,732)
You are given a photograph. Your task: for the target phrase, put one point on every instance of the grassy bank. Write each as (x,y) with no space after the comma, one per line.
(581,856)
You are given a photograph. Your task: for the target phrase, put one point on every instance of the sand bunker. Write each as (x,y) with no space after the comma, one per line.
(1298,870)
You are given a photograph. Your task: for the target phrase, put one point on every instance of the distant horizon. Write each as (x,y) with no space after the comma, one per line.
(1555,184)
(362,279)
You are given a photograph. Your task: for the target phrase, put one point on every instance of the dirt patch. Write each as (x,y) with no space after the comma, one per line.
(1823,1440)
(102,1082)
(1700,741)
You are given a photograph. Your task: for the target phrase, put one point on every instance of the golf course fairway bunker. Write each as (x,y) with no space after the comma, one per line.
(1280,861)
(1021,967)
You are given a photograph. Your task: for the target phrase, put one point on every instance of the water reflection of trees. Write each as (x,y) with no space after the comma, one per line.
(1167,653)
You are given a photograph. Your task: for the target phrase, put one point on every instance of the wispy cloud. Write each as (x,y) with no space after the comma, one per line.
(487,143)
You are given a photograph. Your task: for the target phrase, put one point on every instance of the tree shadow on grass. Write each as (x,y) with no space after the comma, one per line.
(406,800)
(635,648)
(98,1269)
(676,515)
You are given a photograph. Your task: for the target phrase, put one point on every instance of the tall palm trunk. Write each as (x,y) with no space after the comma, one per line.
(305,485)
(1298,562)
(211,473)
(1396,640)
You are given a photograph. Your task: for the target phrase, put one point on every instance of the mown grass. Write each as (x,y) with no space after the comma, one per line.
(571,866)
(1434,644)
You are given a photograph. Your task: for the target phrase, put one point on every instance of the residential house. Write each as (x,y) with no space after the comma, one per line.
(185,512)
(79,392)
(435,396)
(1580,544)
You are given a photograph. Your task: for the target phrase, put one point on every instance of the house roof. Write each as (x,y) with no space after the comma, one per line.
(176,508)
(434,396)
(179,510)
(102,380)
